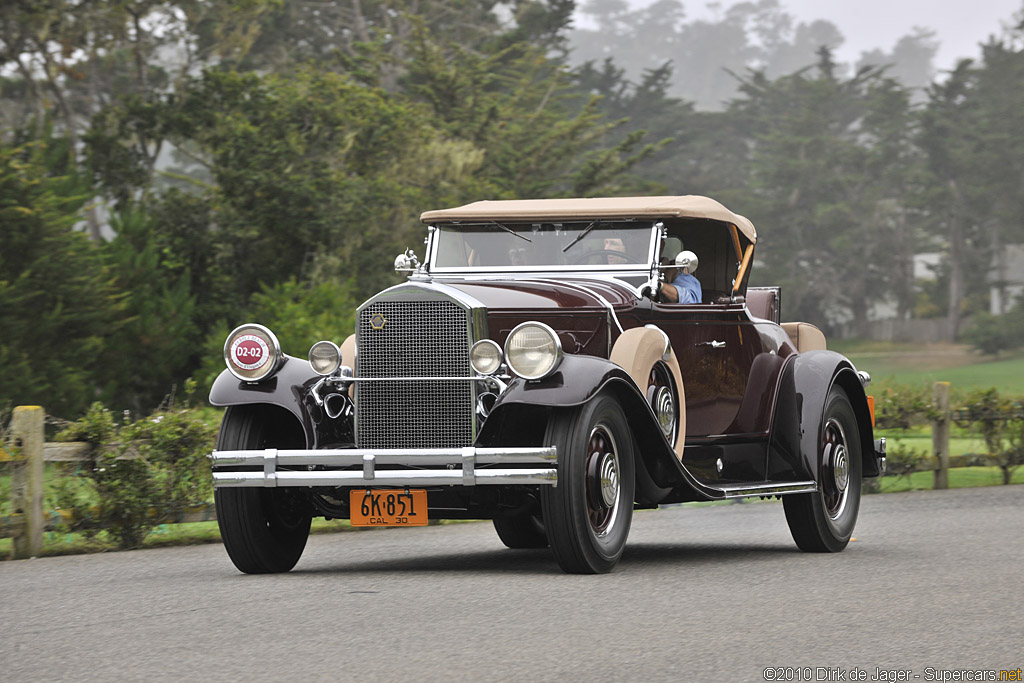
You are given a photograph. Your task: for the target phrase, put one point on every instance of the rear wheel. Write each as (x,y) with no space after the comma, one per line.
(264,529)
(588,514)
(524,531)
(823,522)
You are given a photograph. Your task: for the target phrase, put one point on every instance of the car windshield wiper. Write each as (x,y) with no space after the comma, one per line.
(580,236)
(511,231)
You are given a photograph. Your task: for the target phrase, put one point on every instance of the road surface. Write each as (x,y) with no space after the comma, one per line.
(934,582)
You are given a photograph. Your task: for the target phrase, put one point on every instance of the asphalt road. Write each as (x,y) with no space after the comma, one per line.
(934,579)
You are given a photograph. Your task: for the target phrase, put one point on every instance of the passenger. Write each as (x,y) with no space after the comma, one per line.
(685,288)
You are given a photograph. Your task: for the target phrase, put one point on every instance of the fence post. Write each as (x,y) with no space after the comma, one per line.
(940,433)
(27,479)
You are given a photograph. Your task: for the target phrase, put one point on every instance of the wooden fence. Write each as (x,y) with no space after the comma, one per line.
(29,452)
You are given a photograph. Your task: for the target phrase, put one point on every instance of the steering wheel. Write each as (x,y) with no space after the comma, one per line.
(604,252)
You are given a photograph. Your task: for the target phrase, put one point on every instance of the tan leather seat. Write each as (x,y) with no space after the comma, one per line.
(805,336)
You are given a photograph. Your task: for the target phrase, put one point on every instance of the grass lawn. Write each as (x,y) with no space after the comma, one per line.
(959,478)
(165,535)
(916,364)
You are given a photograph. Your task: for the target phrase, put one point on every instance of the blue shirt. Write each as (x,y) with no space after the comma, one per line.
(688,288)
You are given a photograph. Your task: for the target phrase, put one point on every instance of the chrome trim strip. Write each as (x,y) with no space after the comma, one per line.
(607,304)
(415,477)
(477,378)
(748,490)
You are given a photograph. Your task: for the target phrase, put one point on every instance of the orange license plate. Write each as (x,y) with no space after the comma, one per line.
(388,507)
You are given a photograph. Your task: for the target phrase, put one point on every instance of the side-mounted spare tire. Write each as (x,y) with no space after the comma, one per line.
(264,529)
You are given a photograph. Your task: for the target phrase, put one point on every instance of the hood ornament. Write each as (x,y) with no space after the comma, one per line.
(407,262)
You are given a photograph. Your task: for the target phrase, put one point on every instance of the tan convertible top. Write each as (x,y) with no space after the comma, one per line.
(685,206)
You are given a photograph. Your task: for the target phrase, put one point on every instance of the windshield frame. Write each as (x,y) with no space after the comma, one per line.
(579,225)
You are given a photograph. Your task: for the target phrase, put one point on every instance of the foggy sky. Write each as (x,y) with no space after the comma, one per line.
(959,24)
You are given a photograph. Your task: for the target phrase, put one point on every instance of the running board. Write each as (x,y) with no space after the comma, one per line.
(753,490)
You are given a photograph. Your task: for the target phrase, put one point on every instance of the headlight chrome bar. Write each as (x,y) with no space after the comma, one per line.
(452,467)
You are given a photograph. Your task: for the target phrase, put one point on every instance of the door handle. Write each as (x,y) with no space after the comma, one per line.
(713,344)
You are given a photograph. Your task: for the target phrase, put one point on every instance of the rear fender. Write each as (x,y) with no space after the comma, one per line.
(799,413)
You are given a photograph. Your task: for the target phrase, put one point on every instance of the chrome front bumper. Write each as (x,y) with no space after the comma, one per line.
(404,467)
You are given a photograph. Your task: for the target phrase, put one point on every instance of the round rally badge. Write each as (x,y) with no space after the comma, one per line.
(250,352)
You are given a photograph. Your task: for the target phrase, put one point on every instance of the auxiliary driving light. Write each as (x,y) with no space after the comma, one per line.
(324,357)
(485,357)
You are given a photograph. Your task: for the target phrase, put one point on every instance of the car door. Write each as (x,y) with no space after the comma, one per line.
(716,346)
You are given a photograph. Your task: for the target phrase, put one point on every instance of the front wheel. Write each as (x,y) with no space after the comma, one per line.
(523,531)
(823,522)
(264,529)
(588,514)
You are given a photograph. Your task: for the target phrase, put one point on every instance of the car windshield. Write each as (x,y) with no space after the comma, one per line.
(600,245)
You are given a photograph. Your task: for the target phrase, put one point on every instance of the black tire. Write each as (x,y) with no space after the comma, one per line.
(587,532)
(823,522)
(525,531)
(264,529)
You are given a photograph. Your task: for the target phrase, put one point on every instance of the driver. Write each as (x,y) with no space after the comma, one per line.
(685,288)
(615,244)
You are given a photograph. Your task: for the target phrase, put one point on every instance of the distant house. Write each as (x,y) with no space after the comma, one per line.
(1006,278)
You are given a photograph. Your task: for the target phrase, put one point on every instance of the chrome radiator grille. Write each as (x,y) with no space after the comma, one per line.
(427,338)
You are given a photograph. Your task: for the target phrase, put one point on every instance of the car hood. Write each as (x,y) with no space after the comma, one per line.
(540,293)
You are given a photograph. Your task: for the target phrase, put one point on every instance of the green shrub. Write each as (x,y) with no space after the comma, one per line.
(1000,422)
(990,334)
(902,407)
(144,473)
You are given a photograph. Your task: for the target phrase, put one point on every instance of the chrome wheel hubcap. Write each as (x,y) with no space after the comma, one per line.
(602,480)
(841,468)
(665,409)
(609,469)
(835,479)
(661,398)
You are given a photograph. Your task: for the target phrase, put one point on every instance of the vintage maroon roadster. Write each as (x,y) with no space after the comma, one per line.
(530,372)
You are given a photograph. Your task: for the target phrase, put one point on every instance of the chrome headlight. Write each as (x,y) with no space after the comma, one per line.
(533,350)
(485,357)
(324,357)
(252,352)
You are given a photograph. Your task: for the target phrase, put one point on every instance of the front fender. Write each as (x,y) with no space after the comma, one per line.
(799,412)
(288,389)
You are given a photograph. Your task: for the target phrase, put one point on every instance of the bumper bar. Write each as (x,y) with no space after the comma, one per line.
(415,467)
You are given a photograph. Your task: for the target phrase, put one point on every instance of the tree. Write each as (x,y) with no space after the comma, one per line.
(909,62)
(949,139)
(158,339)
(820,164)
(57,304)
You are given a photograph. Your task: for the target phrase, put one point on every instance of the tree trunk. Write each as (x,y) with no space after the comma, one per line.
(956,265)
(904,268)
(1001,268)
